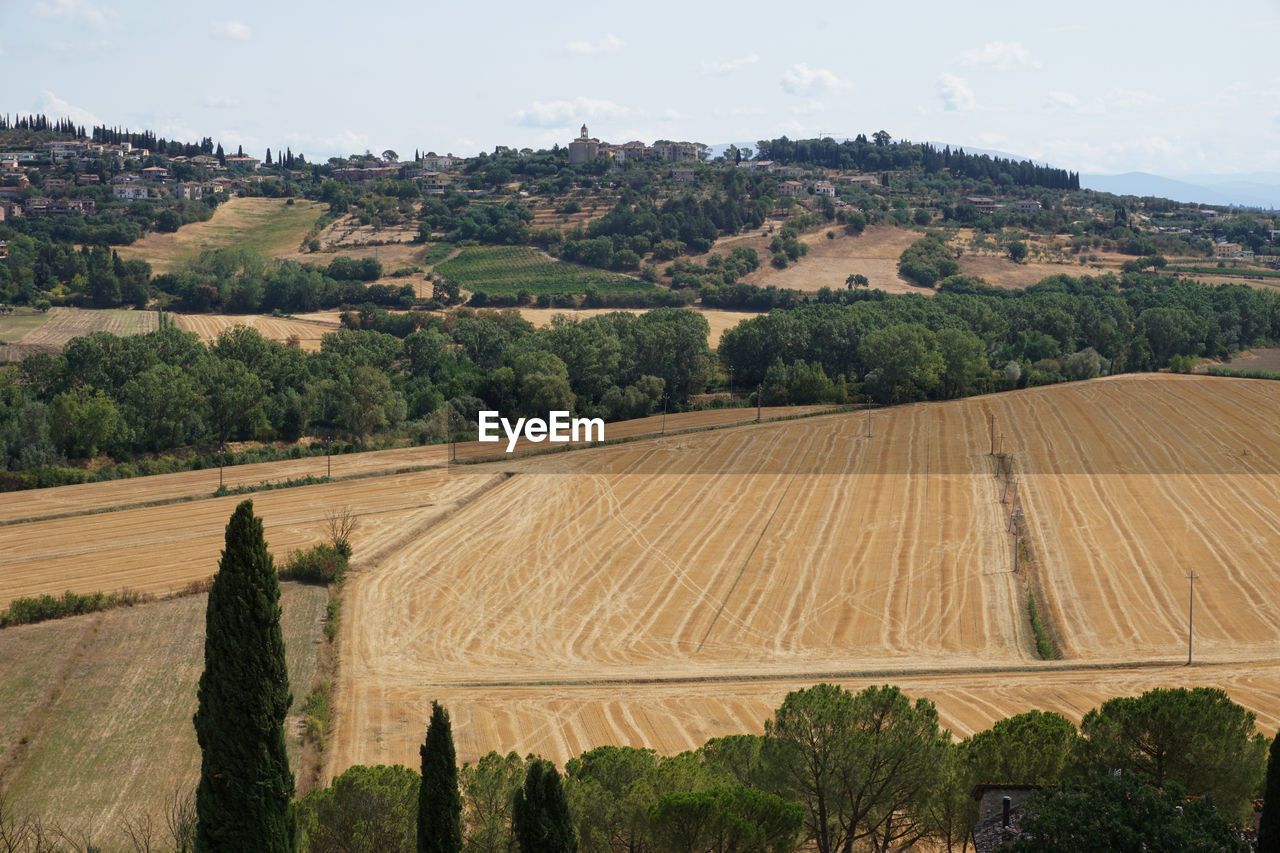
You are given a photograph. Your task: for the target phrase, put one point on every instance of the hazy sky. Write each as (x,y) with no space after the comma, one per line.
(1170,87)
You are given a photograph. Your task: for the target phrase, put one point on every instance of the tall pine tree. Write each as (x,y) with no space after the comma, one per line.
(1269,827)
(439,801)
(243,799)
(540,817)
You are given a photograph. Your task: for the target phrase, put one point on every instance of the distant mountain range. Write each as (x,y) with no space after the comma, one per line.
(1255,190)
(1247,189)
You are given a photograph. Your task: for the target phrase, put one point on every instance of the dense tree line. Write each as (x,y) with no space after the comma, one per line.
(880,154)
(835,771)
(165,390)
(971,338)
(428,377)
(239,281)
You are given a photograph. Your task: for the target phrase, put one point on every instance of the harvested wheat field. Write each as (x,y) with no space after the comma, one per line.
(666,591)
(782,550)
(719,321)
(163,548)
(112,695)
(51,331)
(306,333)
(1131,484)
(269,226)
(67,501)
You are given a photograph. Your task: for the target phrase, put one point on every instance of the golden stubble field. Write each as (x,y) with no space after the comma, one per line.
(306,333)
(661,593)
(664,591)
(96,724)
(105,536)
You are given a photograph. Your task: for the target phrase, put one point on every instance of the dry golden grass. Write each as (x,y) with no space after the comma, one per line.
(719,321)
(268,226)
(111,695)
(306,332)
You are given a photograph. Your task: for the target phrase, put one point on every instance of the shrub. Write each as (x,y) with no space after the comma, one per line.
(320,564)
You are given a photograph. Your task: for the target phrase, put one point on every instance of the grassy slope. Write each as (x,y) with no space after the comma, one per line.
(14,326)
(111,695)
(268,226)
(508,269)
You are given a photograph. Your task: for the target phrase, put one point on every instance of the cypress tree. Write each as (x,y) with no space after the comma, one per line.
(1269,827)
(439,801)
(540,817)
(243,799)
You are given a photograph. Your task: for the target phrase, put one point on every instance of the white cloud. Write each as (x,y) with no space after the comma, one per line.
(673,115)
(1000,55)
(567,113)
(1062,100)
(98,16)
(809,107)
(1128,99)
(729,66)
(221,101)
(53,106)
(803,80)
(608,44)
(955,93)
(234,30)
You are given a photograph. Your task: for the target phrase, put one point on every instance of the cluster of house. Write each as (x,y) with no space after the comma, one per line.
(586,148)
(1232,251)
(57,194)
(986,205)
(427,170)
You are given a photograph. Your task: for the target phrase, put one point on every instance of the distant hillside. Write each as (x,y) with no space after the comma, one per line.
(1204,189)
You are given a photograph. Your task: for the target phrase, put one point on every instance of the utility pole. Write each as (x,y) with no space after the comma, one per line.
(759,389)
(1191,604)
(991,416)
(868,420)
(664,414)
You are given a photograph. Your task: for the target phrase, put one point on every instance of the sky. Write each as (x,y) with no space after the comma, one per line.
(1174,88)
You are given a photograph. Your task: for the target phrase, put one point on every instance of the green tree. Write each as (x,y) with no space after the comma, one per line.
(610,791)
(235,397)
(726,820)
(1124,815)
(903,362)
(1017,251)
(439,802)
(1037,747)
(540,817)
(964,359)
(862,766)
(489,787)
(243,798)
(80,420)
(365,810)
(1269,827)
(1198,738)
